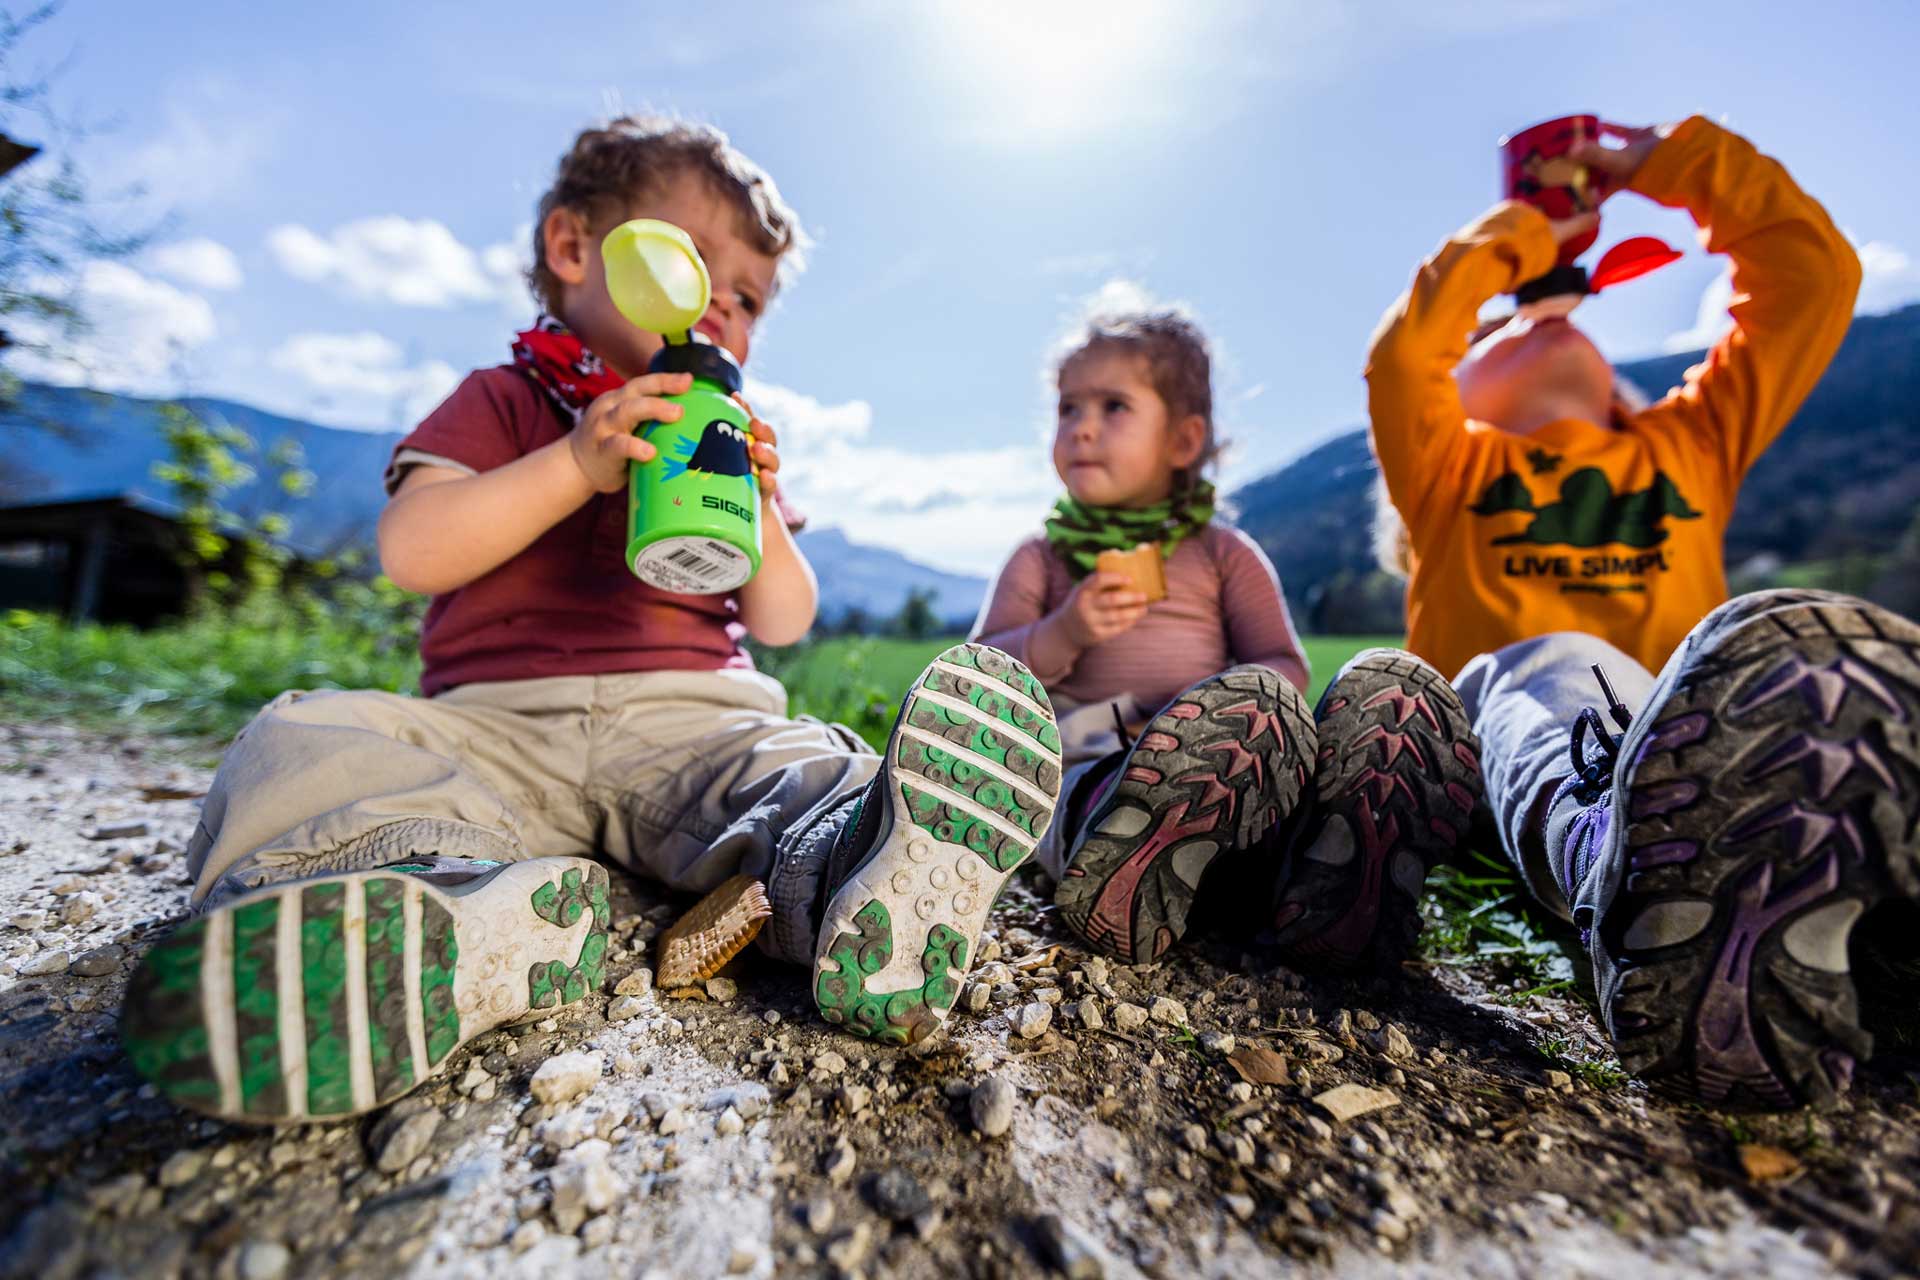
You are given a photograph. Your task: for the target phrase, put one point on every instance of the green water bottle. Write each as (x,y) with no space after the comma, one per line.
(693,512)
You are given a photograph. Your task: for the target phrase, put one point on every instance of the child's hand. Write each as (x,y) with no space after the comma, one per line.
(1565,229)
(1101,606)
(603,444)
(765,453)
(1616,166)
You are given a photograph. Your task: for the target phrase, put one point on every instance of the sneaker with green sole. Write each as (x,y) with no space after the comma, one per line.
(964,793)
(324,998)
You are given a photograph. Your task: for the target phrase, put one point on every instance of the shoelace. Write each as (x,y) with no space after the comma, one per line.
(1120,727)
(1594,773)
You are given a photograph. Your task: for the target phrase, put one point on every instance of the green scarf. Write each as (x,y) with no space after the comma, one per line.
(1080,533)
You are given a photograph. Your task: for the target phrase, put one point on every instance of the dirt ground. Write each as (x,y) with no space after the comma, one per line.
(1174,1120)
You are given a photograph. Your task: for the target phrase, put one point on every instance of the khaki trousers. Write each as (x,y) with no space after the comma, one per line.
(685,777)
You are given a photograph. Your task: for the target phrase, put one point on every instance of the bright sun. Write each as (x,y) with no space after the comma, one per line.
(1050,70)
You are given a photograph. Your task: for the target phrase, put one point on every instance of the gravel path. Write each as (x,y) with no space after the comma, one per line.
(1207,1116)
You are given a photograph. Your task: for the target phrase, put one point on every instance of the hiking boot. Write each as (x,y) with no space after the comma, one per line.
(1395,787)
(1213,773)
(964,792)
(320,999)
(1720,854)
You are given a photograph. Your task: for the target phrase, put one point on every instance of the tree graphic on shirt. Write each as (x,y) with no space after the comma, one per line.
(1588,512)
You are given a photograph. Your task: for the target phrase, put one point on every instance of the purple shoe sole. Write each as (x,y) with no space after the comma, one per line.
(1770,803)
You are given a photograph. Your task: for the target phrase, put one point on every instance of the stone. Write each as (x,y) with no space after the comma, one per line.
(675,1121)
(1240,1091)
(854,1098)
(584,1183)
(1559,1080)
(749,1098)
(722,989)
(991,1106)
(1346,1101)
(182,1167)
(1129,1017)
(29,921)
(565,1077)
(1090,1015)
(406,1141)
(1071,1251)
(637,983)
(625,1008)
(898,1196)
(1217,1042)
(1095,967)
(99,962)
(850,1250)
(1158,1199)
(742,1257)
(45,965)
(1240,1206)
(1394,1043)
(729,1123)
(830,1062)
(1194,1137)
(115,831)
(598,1232)
(839,1163)
(263,1260)
(475,1076)
(975,997)
(527,1235)
(1168,1010)
(1032,1020)
(80,908)
(817,1215)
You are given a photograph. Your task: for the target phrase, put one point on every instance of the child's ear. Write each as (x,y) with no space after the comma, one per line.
(1189,440)
(564,234)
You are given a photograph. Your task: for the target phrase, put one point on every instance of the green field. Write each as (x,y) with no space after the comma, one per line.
(844,677)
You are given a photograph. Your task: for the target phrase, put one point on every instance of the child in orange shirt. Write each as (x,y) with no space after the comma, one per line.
(1718,853)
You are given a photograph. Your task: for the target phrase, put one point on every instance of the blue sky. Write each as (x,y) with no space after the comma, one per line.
(345,191)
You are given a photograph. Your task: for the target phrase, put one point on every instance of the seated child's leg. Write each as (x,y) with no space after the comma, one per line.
(1523,700)
(707,777)
(1395,787)
(341,960)
(1213,772)
(1093,750)
(966,788)
(1764,802)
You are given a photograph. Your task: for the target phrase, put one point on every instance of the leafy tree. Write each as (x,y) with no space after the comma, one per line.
(916,619)
(233,555)
(49,214)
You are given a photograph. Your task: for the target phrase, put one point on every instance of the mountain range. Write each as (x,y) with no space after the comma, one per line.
(1841,485)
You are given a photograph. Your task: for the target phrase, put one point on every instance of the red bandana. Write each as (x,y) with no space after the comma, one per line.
(572,376)
(560,363)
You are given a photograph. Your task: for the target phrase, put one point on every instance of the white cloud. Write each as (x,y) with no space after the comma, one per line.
(403,261)
(1712,320)
(363,378)
(1889,277)
(213,135)
(139,334)
(202,263)
(957,509)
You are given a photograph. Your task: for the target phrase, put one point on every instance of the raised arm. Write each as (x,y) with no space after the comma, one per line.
(1795,279)
(1412,401)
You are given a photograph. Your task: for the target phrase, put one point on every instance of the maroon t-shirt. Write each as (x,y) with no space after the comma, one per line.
(567,605)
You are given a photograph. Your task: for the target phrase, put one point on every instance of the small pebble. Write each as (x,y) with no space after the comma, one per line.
(991,1106)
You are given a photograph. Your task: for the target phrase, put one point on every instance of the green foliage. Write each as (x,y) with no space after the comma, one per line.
(207,675)
(234,557)
(1477,912)
(916,619)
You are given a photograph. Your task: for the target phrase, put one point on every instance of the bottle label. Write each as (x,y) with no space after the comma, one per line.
(693,566)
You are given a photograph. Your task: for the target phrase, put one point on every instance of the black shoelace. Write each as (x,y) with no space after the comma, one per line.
(1594,770)
(1120,727)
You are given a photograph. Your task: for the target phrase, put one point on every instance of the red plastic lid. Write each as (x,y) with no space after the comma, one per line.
(1629,260)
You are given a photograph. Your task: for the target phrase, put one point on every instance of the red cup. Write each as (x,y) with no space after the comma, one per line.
(1535,169)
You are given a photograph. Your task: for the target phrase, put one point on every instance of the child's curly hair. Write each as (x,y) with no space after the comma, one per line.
(633,156)
(1179,359)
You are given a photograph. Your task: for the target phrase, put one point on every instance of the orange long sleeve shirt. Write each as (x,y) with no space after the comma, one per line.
(1614,530)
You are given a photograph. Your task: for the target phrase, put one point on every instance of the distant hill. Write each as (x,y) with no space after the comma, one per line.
(65,443)
(1842,480)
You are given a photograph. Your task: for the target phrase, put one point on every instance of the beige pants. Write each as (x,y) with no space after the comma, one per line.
(686,777)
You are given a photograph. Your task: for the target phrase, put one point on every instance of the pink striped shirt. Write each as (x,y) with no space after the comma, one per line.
(1223,607)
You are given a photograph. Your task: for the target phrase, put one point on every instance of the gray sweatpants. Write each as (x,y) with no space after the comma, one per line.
(686,777)
(1522,700)
(1087,736)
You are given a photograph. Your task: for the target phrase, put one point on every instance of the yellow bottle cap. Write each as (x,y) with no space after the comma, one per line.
(656,277)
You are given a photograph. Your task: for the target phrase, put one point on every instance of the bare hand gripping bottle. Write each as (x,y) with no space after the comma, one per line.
(693,513)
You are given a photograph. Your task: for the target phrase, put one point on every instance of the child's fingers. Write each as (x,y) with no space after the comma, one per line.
(769,484)
(767,457)
(763,431)
(631,447)
(641,409)
(657,384)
